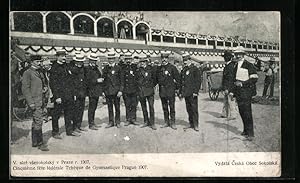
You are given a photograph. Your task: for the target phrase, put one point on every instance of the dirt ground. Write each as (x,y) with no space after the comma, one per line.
(215,134)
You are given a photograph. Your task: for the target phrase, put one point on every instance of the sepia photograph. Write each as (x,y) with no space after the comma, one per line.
(145,93)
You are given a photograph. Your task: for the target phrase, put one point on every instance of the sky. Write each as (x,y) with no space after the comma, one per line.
(264,26)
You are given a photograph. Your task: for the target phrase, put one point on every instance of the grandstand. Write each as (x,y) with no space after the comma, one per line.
(98,32)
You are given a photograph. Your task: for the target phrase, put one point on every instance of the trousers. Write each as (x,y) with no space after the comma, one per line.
(269,82)
(93,102)
(78,112)
(245,110)
(229,106)
(37,118)
(67,106)
(113,100)
(130,101)
(143,100)
(191,103)
(168,105)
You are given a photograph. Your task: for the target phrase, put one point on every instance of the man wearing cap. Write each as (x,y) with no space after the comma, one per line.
(270,78)
(121,60)
(32,88)
(113,89)
(130,89)
(146,79)
(95,88)
(62,95)
(168,80)
(46,66)
(245,88)
(229,105)
(189,88)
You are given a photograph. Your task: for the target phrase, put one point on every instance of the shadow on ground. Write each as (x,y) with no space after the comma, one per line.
(225,126)
(17,133)
(139,120)
(214,114)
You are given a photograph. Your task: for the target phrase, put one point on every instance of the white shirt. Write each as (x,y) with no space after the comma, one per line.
(241,73)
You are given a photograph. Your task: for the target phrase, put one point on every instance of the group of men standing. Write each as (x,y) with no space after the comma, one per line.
(64,85)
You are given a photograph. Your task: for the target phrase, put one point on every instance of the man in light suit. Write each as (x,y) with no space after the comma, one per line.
(32,89)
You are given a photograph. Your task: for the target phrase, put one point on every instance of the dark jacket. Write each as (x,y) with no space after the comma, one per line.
(57,80)
(189,81)
(94,88)
(146,81)
(249,86)
(129,77)
(70,80)
(112,80)
(228,77)
(32,87)
(80,83)
(168,80)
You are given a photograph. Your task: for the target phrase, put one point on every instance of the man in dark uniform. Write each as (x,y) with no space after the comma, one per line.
(61,84)
(32,88)
(168,80)
(189,88)
(146,79)
(245,88)
(113,89)
(228,78)
(95,88)
(80,92)
(130,90)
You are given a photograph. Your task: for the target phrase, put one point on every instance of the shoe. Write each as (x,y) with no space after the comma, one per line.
(43,147)
(244,134)
(93,128)
(173,127)
(57,136)
(127,123)
(109,125)
(248,138)
(74,134)
(77,130)
(144,125)
(196,129)
(153,127)
(83,129)
(228,119)
(165,126)
(118,125)
(34,138)
(97,126)
(134,123)
(188,127)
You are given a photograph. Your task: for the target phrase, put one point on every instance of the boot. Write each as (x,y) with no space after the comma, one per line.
(173,126)
(34,138)
(41,145)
